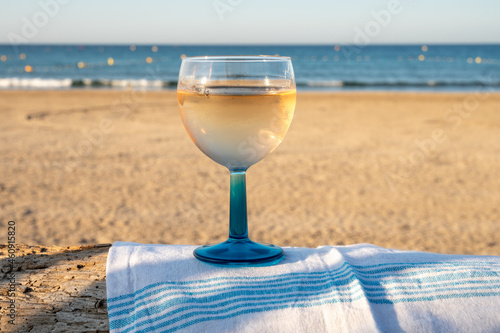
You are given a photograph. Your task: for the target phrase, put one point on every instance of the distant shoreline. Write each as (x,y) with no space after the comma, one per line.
(244,44)
(158,85)
(300,91)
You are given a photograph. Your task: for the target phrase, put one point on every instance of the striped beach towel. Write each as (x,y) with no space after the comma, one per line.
(358,288)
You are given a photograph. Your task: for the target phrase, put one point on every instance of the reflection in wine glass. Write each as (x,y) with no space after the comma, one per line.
(237,109)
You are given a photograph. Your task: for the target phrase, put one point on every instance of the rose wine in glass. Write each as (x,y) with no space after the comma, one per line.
(237,109)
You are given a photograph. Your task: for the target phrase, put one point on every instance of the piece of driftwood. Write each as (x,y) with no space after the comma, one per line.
(53,289)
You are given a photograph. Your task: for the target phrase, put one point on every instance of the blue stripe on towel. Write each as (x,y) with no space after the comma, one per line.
(321,275)
(313,290)
(226,298)
(327,287)
(259,303)
(275,282)
(369,285)
(261,307)
(379,283)
(259,283)
(388,267)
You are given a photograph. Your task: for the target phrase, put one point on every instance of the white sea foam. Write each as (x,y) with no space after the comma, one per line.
(330,83)
(137,83)
(38,83)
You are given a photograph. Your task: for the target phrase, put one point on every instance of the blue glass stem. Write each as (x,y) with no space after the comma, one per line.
(238,250)
(238,226)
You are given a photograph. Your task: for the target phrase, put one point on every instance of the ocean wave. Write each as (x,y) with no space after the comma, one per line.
(395,84)
(67,83)
(40,83)
(326,83)
(123,83)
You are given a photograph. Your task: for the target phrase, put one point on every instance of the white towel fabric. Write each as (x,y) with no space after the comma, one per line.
(358,288)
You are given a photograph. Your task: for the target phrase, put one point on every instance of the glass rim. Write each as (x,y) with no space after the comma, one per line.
(236,58)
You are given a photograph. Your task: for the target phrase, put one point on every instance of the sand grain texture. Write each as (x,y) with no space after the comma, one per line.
(80,167)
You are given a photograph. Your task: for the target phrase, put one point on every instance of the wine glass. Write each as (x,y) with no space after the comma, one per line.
(237,109)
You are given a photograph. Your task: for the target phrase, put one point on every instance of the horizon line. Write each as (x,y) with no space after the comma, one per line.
(250,44)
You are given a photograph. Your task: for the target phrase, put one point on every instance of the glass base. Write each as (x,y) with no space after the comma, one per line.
(240,252)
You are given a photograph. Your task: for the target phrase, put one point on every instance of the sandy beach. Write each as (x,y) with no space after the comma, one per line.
(414,171)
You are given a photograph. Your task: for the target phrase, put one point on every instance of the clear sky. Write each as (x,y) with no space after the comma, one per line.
(250,21)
